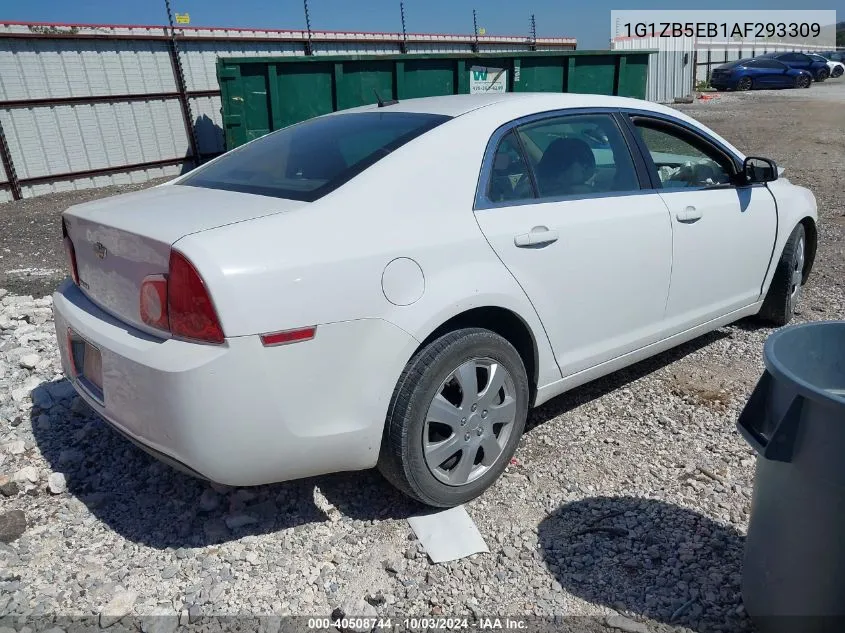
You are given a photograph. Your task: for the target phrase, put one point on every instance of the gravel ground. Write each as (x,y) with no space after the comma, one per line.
(32,258)
(627,501)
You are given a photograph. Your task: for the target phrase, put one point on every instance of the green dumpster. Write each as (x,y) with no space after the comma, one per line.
(262,94)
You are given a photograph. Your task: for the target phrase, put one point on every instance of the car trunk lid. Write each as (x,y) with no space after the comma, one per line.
(118,241)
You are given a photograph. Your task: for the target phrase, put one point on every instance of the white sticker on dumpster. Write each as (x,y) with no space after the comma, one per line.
(484,80)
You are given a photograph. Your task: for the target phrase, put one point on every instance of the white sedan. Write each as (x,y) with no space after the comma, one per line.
(397,285)
(835,68)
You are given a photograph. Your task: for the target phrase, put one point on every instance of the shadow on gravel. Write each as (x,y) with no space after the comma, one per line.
(602,386)
(648,558)
(753,324)
(148,502)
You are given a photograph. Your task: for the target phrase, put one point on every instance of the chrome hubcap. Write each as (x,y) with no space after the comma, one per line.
(797,273)
(469,421)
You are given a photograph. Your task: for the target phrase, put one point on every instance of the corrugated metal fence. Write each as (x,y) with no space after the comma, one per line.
(680,63)
(88,106)
(670,71)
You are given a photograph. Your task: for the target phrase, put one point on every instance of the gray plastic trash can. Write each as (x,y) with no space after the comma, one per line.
(793,576)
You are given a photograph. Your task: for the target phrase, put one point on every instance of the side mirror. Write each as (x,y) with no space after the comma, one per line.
(759,170)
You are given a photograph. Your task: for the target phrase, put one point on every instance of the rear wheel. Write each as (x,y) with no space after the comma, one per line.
(837,72)
(456,417)
(823,74)
(746,83)
(785,291)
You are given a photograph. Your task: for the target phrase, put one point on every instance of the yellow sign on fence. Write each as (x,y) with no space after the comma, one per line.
(183,18)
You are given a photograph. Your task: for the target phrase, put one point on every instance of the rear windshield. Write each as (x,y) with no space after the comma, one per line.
(308,160)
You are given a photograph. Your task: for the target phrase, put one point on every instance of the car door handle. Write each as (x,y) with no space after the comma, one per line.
(539,236)
(689,215)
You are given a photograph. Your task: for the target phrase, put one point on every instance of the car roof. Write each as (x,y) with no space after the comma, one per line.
(457,105)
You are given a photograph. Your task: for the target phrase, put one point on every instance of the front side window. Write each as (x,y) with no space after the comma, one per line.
(308,160)
(682,161)
(578,155)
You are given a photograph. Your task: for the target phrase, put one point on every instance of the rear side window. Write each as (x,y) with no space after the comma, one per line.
(578,155)
(509,178)
(310,159)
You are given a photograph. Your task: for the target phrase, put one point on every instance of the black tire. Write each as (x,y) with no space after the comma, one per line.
(822,75)
(803,81)
(746,83)
(780,302)
(402,460)
(837,72)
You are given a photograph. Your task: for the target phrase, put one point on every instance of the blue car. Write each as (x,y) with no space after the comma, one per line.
(816,67)
(758,72)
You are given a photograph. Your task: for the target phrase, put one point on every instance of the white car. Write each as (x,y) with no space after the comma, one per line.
(835,69)
(397,285)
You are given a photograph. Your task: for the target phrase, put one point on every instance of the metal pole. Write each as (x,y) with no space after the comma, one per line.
(179,75)
(403,46)
(533,33)
(309,49)
(475,30)
(9,166)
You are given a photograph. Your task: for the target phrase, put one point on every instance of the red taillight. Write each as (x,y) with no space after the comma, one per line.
(154,302)
(288,336)
(189,307)
(71,255)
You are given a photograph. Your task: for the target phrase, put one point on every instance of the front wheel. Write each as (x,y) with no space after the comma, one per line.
(837,72)
(456,417)
(822,74)
(785,291)
(803,81)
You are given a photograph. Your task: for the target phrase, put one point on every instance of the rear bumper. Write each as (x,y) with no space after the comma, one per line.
(723,82)
(239,413)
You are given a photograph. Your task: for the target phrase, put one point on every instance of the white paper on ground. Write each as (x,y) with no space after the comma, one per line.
(448,535)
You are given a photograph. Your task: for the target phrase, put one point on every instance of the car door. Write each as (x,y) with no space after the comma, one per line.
(771,72)
(758,73)
(722,234)
(779,73)
(560,201)
(798,60)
